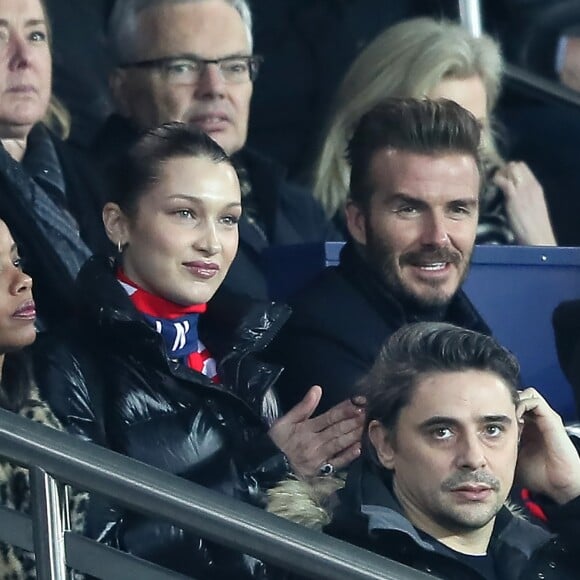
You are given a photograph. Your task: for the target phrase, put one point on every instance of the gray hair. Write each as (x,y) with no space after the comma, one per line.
(406,60)
(123,24)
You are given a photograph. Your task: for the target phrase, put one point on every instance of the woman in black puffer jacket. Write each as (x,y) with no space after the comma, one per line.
(158,371)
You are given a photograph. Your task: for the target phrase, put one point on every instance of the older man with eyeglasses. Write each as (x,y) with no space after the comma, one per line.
(192,61)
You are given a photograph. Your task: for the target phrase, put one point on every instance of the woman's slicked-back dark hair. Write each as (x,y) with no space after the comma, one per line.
(423,348)
(141,165)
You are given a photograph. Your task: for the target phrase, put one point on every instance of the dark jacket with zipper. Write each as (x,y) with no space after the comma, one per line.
(338,325)
(275,211)
(112,382)
(369,516)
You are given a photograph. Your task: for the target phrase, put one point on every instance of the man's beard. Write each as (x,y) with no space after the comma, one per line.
(381,259)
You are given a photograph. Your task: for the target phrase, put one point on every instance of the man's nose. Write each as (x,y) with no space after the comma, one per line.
(470,452)
(434,231)
(210,82)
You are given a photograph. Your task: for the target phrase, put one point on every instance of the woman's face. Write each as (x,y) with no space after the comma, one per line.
(26,67)
(469,93)
(184,235)
(17,311)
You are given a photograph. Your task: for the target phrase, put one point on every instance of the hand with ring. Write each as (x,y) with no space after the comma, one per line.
(326,469)
(325,443)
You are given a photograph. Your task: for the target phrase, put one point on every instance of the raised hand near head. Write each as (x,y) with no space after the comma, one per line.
(548,462)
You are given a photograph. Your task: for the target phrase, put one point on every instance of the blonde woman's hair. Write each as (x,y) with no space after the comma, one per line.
(407,60)
(57,118)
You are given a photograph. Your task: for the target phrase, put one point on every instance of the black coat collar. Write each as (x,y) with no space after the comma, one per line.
(224,325)
(460,310)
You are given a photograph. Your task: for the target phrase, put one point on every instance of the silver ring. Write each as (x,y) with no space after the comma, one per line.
(326,469)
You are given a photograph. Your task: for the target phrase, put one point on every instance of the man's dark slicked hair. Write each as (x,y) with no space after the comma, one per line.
(421,349)
(141,165)
(420,126)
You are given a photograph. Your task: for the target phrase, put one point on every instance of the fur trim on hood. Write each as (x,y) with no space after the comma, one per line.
(309,502)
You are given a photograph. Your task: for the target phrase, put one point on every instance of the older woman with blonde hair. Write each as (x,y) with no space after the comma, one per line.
(51,193)
(423,57)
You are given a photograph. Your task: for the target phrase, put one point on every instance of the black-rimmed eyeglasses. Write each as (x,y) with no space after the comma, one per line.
(187,69)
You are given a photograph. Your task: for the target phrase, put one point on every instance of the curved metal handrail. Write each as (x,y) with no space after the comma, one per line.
(158,494)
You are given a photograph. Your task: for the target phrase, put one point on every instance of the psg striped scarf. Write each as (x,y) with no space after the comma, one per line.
(176,324)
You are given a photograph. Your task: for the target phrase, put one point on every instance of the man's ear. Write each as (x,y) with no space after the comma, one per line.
(381,439)
(116,224)
(356,222)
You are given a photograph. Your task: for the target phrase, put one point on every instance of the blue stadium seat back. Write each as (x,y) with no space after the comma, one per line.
(515,289)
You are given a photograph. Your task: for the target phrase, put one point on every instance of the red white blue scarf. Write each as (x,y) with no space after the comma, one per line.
(176,324)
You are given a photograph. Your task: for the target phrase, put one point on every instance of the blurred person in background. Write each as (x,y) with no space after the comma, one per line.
(192,61)
(51,195)
(424,57)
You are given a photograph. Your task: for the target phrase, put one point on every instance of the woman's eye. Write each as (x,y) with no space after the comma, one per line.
(230,220)
(17,263)
(38,36)
(185,213)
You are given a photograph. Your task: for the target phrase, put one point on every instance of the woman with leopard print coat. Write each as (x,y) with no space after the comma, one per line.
(19,394)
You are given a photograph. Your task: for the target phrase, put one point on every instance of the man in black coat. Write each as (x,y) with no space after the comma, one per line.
(192,61)
(412,216)
(445,429)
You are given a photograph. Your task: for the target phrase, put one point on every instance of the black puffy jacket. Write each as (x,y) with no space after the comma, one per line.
(111,381)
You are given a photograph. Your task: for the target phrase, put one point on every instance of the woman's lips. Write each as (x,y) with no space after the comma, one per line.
(26,311)
(23,89)
(205,270)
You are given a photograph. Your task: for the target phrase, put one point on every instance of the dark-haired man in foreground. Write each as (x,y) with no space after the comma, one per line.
(447,433)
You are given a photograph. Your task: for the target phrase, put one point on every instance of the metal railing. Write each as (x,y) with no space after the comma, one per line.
(470,16)
(54,456)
